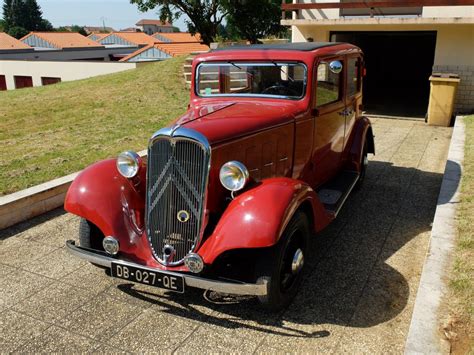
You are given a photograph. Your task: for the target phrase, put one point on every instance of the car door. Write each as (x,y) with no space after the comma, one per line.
(329,118)
(353,97)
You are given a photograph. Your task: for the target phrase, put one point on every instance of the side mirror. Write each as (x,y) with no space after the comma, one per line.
(335,66)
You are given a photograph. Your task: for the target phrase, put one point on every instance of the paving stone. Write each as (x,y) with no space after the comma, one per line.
(56,264)
(62,299)
(89,277)
(58,340)
(154,331)
(17,329)
(357,296)
(19,285)
(19,253)
(100,318)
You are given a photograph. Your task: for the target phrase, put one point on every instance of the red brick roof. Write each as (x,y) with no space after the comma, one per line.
(153,22)
(173,49)
(9,42)
(138,38)
(179,37)
(62,40)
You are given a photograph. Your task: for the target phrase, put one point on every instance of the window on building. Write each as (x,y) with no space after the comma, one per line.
(48,81)
(329,85)
(353,76)
(23,81)
(3,83)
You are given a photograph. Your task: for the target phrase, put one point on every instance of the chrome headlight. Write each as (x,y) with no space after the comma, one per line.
(234,175)
(128,164)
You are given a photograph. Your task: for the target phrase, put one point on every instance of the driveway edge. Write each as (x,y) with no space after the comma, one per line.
(34,201)
(423,335)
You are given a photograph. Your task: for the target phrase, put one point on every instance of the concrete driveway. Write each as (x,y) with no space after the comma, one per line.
(357,297)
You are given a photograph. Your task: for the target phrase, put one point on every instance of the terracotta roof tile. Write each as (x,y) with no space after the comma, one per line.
(9,42)
(97,36)
(173,49)
(138,38)
(179,37)
(62,40)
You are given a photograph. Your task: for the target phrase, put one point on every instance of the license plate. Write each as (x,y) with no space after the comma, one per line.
(147,277)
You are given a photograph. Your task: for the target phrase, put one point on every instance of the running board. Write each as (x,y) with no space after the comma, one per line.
(335,192)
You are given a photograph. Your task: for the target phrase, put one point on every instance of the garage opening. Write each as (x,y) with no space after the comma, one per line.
(398,67)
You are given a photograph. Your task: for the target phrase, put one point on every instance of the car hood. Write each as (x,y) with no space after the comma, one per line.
(223,121)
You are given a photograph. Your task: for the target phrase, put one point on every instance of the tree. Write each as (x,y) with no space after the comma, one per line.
(17,32)
(2,25)
(253,19)
(79,29)
(204,15)
(23,15)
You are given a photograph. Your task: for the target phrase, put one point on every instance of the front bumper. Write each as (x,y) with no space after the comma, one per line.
(234,288)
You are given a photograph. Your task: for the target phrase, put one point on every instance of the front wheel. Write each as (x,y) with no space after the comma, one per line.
(283,269)
(90,237)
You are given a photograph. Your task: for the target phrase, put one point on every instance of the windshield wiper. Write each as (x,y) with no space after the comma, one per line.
(281,69)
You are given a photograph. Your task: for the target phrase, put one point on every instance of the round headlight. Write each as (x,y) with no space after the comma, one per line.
(128,164)
(234,175)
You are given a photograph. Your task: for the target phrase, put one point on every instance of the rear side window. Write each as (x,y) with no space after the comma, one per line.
(329,85)
(353,76)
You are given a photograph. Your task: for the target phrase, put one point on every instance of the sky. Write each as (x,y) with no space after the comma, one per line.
(118,14)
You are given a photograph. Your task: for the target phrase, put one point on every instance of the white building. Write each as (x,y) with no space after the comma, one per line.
(153,26)
(403,46)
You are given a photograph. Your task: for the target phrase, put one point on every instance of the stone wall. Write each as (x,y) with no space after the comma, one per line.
(465,94)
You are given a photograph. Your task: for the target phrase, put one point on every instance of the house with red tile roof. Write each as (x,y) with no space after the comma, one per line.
(153,26)
(58,40)
(177,37)
(8,42)
(60,46)
(97,36)
(162,51)
(139,39)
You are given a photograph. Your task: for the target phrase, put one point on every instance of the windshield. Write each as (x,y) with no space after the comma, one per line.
(272,79)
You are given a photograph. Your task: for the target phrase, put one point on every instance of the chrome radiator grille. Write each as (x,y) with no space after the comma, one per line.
(178,170)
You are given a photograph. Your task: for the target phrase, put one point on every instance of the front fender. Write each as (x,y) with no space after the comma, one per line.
(114,204)
(258,217)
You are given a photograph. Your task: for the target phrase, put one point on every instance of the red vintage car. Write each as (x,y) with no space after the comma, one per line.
(231,192)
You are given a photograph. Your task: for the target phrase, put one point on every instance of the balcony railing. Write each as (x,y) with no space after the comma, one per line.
(368,7)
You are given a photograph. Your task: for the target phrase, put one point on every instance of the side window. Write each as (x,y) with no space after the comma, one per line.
(329,85)
(353,76)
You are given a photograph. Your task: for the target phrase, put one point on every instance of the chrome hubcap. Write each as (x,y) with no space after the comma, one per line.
(298,261)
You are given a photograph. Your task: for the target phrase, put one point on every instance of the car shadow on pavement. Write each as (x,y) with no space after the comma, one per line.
(360,273)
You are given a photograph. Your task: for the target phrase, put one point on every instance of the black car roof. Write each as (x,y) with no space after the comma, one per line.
(303,46)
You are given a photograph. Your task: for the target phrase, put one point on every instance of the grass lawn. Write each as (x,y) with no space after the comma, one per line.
(461,299)
(52,131)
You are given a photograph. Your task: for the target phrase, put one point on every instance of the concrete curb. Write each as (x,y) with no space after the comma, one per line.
(25,204)
(423,335)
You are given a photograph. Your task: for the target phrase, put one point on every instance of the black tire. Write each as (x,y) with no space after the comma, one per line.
(90,237)
(364,162)
(276,268)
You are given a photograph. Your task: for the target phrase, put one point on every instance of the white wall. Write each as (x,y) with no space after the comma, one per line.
(427,11)
(67,71)
(448,11)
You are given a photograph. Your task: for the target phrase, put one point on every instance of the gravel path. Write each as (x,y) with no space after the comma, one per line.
(358,294)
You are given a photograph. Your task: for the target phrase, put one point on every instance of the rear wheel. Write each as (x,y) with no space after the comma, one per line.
(364,162)
(283,269)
